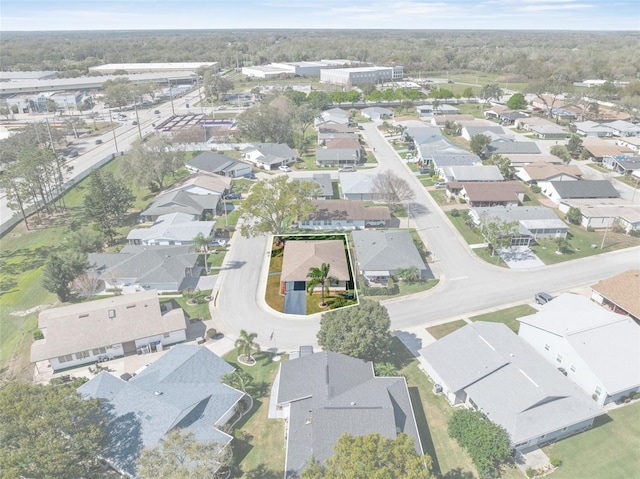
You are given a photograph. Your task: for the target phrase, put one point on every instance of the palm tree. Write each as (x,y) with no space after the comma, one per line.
(245,343)
(319,276)
(201,243)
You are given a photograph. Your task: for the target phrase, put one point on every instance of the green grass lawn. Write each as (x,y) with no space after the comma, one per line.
(440,196)
(608,450)
(441,330)
(508,316)
(426,180)
(200,310)
(470,235)
(258,449)
(580,245)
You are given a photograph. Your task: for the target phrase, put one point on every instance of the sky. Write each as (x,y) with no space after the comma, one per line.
(43,15)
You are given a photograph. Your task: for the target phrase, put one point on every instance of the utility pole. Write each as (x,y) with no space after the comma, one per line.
(113,130)
(173,111)
(135,106)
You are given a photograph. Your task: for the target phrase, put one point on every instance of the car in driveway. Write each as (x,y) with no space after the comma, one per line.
(219,242)
(441,184)
(543,298)
(347,169)
(233,196)
(284,168)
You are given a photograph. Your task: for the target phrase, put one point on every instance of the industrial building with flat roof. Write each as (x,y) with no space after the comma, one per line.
(357,76)
(152,67)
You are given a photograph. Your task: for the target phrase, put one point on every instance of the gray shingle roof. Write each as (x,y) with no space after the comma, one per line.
(474,173)
(181,202)
(272,152)
(386,250)
(585,189)
(337,154)
(156,264)
(510,382)
(173,227)
(332,394)
(215,162)
(321,179)
(181,389)
(441,160)
(479,130)
(513,147)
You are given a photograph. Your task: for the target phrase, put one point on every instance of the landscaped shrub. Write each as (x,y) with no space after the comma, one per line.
(536,189)
(555,461)
(634,233)
(37,334)
(634,395)
(590,229)
(530,472)
(462,201)
(455,212)
(212,333)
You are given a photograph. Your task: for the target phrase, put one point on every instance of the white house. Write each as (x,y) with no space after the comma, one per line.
(485,366)
(86,332)
(596,348)
(344,215)
(269,156)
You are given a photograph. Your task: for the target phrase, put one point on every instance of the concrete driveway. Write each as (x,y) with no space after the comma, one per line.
(295,298)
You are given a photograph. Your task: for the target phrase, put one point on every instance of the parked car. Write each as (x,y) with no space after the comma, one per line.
(134,122)
(233,196)
(284,168)
(347,169)
(375,223)
(441,184)
(543,298)
(219,242)
(426,171)
(98,142)
(156,112)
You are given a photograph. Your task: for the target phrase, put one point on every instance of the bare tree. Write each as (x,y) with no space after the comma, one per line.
(390,188)
(86,285)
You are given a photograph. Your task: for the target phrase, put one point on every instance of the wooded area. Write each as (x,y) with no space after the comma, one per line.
(516,55)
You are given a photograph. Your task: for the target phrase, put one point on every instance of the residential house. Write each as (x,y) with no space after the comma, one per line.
(470,173)
(269,156)
(171,229)
(532,173)
(334,115)
(596,348)
(441,161)
(534,222)
(506,147)
(344,215)
(351,143)
(358,186)
(136,268)
(504,115)
(469,132)
(599,149)
(85,333)
(441,120)
(605,213)
(218,164)
(485,366)
(620,293)
(337,156)
(202,183)
(376,113)
(428,149)
(423,134)
(528,123)
(326,136)
(492,193)
(323,180)
(591,128)
(549,132)
(632,143)
(624,165)
(302,255)
(429,111)
(182,390)
(558,191)
(324,395)
(623,128)
(524,159)
(177,201)
(380,253)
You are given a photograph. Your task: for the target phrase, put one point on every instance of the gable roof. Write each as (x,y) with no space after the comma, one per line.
(149,263)
(215,163)
(356,182)
(531,217)
(600,148)
(508,147)
(181,202)
(510,382)
(444,160)
(483,129)
(331,394)
(343,143)
(493,190)
(272,151)
(301,255)
(585,189)
(321,179)
(207,181)
(607,342)
(348,210)
(182,389)
(542,170)
(622,290)
(103,322)
(386,250)
(340,154)
(173,227)
(474,173)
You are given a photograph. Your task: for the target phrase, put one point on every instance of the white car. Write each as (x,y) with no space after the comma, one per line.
(219,242)
(284,168)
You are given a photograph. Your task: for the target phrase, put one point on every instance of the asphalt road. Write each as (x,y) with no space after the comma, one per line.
(467,284)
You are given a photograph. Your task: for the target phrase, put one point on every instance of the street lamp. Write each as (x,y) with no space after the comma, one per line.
(113,130)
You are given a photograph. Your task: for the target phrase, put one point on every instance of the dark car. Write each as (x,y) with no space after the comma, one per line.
(543,298)
(98,142)
(426,171)
(233,196)
(156,112)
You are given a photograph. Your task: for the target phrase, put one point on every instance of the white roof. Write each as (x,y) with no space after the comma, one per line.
(609,343)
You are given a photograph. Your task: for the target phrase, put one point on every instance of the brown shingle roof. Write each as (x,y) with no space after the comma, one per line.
(209,181)
(84,326)
(600,148)
(623,290)
(542,170)
(352,143)
(301,255)
(493,190)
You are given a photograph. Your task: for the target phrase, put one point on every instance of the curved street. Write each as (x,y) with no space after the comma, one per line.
(467,284)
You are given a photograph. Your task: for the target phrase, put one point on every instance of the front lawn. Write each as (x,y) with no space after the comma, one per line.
(258,447)
(441,330)
(196,311)
(609,449)
(508,316)
(580,245)
(470,235)
(440,196)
